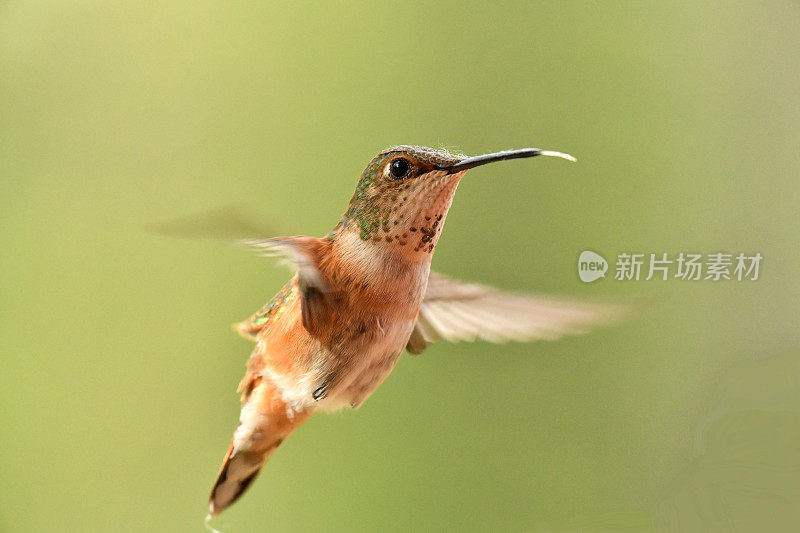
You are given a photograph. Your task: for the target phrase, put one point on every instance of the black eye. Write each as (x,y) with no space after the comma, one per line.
(399,168)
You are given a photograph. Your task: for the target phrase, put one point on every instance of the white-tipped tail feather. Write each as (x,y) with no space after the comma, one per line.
(266,420)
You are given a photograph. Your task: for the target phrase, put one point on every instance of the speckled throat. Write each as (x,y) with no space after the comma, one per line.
(408,213)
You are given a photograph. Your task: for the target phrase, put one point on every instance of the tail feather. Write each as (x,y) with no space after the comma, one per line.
(238,471)
(265,422)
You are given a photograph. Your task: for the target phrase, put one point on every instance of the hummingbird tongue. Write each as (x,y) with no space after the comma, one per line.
(479,160)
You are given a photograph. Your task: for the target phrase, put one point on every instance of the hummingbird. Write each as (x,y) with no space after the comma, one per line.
(363,294)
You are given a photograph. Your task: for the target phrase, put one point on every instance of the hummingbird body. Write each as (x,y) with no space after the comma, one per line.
(363,294)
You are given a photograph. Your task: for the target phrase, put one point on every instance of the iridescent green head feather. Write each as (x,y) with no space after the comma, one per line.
(380,191)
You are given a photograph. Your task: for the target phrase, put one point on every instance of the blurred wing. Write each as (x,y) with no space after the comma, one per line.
(225,223)
(294,252)
(316,301)
(455,311)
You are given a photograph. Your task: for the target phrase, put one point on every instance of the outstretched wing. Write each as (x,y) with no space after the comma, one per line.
(456,311)
(302,253)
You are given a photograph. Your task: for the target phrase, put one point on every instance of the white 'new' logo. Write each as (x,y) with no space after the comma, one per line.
(591,266)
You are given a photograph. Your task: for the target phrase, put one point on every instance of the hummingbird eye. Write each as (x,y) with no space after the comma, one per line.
(400,168)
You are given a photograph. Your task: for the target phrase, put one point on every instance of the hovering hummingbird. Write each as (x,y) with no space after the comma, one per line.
(363,294)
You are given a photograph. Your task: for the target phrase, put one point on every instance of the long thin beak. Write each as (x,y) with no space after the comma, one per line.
(478,160)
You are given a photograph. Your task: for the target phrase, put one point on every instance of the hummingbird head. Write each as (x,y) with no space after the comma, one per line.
(404,194)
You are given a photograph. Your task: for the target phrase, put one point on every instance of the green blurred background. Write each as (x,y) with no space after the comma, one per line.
(118,364)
